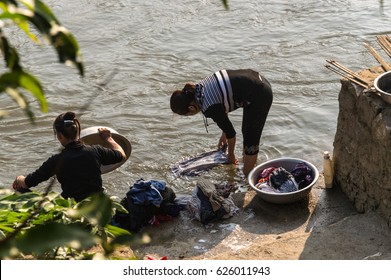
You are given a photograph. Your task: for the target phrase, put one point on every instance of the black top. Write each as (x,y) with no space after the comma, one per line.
(226,90)
(77,168)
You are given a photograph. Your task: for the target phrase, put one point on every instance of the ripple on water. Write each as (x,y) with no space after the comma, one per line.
(158,47)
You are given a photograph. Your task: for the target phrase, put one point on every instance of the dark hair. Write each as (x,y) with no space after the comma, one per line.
(68,125)
(181,99)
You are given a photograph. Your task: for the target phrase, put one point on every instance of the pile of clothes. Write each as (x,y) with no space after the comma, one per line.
(151,202)
(279,180)
(211,202)
(147,202)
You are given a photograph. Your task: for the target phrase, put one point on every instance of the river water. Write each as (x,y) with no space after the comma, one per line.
(151,48)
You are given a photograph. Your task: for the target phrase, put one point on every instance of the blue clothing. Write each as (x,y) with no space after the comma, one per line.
(146,192)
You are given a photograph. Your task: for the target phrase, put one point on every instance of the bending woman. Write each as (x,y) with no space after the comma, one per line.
(223,92)
(77,166)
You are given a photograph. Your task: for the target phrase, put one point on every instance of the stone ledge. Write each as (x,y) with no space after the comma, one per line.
(362,147)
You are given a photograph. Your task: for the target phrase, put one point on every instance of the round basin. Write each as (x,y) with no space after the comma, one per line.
(382,85)
(288,164)
(90,136)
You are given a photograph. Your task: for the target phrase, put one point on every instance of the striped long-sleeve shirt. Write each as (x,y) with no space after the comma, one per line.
(226,90)
(214,94)
(217,90)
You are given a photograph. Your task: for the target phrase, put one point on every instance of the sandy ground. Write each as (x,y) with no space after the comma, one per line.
(324,226)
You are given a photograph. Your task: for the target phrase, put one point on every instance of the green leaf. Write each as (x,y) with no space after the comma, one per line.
(6,3)
(225,3)
(41,23)
(52,196)
(5,228)
(20,202)
(47,24)
(62,40)
(67,47)
(116,231)
(126,239)
(10,218)
(44,218)
(34,12)
(30,83)
(20,197)
(96,208)
(17,96)
(40,8)
(8,196)
(44,238)
(60,201)
(10,81)
(11,56)
(22,21)
(119,207)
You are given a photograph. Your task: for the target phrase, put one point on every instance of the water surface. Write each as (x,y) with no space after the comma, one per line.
(157,46)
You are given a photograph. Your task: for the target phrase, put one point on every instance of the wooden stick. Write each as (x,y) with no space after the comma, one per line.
(350,72)
(385,42)
(387,39)
(376,55)
(350,78)
(340,66)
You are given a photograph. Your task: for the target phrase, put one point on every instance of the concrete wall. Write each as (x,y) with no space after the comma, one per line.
(362,149)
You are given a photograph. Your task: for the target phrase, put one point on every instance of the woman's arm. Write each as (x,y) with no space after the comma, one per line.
(105,134)
(19,184)
(228,135)
(231,147)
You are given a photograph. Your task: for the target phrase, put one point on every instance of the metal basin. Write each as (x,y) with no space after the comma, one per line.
(282,198)
(90,136)
(382,85)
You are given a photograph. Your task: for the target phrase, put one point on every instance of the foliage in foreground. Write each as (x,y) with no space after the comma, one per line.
(51,227)
(16,80)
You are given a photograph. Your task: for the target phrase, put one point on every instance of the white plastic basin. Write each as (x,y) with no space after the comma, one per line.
(90,136)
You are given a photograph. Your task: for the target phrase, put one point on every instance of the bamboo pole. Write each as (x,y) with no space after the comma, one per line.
(376,55)
(350,72)
(346,76)
(385,43)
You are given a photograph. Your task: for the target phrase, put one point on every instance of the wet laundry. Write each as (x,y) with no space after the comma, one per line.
(146,192)
(210,202)
(282,180)
(303,174)
(147,202)
(279,180)
(196,165)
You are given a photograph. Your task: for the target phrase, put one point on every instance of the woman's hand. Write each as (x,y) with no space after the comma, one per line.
(105,134)
(19,184)
(231,147)
(222,141)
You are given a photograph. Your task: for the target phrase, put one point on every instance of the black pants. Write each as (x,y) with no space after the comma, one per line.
(255,114)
